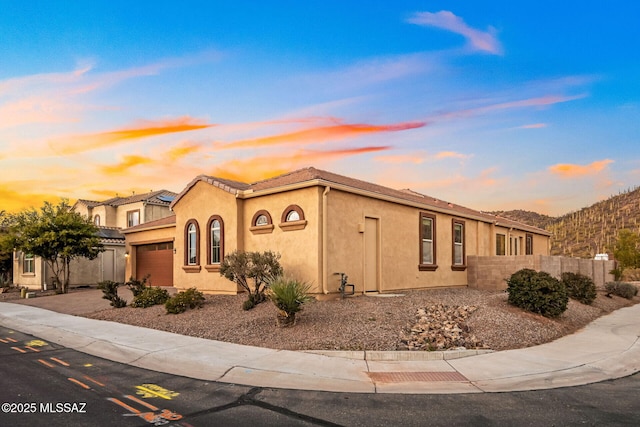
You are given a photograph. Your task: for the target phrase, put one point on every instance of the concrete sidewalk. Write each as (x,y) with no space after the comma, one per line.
(607,348)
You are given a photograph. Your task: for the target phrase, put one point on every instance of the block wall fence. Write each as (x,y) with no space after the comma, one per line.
(491,272)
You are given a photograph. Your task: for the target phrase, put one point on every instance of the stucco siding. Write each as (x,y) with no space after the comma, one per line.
(199,204)
(300,246)
(399,228)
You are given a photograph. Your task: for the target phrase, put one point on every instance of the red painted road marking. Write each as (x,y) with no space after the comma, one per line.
(45,363)
(32,349)
(10,339)
(18,349)
(3,341)
(142,402)
(124,405)
(62,362)
(87,377)
(81,384)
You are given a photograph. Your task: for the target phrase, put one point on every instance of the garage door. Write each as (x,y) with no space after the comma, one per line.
(155,260)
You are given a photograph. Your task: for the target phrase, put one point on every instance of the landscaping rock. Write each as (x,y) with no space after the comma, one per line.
(441,327)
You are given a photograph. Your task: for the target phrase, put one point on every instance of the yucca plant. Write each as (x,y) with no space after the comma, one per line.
(288,295)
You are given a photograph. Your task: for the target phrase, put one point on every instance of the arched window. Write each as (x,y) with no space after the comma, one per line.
(261,222)
(192,242)
(292,218)
(261,218)
(215,240)
(292,213)
(96,220)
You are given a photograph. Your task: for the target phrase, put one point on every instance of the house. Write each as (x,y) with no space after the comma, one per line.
(111,216)
(322,224)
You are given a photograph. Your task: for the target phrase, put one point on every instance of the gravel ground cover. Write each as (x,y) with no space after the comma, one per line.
(374,322)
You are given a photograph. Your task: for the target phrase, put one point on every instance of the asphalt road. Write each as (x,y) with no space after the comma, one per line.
(43,384)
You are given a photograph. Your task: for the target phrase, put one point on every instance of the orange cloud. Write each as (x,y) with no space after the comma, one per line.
(263,167)
(321,134)
(401,158)
(450,155)
(143,129)
(566,170)
(176,153)
(128,162)
(14,201)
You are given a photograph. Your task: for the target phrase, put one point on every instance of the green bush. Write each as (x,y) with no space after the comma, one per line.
(150,297)
(621,289)
(288,294)
(137,286)
(579,287)
(248,304)
(537,292)
(180,302)
(110,290)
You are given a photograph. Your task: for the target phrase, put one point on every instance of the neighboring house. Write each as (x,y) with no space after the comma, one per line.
(322,223)
(111,216)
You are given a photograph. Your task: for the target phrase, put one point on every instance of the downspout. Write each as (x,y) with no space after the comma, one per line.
(325,262)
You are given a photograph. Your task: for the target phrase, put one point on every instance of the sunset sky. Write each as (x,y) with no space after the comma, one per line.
(491,105)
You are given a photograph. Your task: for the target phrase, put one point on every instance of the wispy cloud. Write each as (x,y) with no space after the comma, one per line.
(128,162)
(535,102)
(567,170)
(374,71)
(320,134)
(61,97)
(451,155)
(263,167)
(534,126)
(14,198)
(143,129)
(484,41)
(183,150)
(413,158)
(419,157)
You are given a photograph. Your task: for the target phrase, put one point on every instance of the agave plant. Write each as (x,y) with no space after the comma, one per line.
(288,295)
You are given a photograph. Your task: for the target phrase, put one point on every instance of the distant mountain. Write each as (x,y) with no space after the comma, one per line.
(590,230)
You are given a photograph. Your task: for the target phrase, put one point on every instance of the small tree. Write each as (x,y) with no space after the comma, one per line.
(6,250)
(251,268)
(57,234)
(626,250)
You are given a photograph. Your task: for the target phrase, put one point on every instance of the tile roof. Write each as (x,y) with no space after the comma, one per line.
(316,175)
(159,197)
(110,234)
(157,223)
(228,185)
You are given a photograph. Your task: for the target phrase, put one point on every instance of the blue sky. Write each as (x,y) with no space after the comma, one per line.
(492,105)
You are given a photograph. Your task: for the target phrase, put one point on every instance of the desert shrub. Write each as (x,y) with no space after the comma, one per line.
(248,304)
(537,292)
(5,280)
(109,289)
(288,294)
(137,286)
(579,287)
(631,274)
(621,289)
(251,271)
(180,302)
(150,297)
